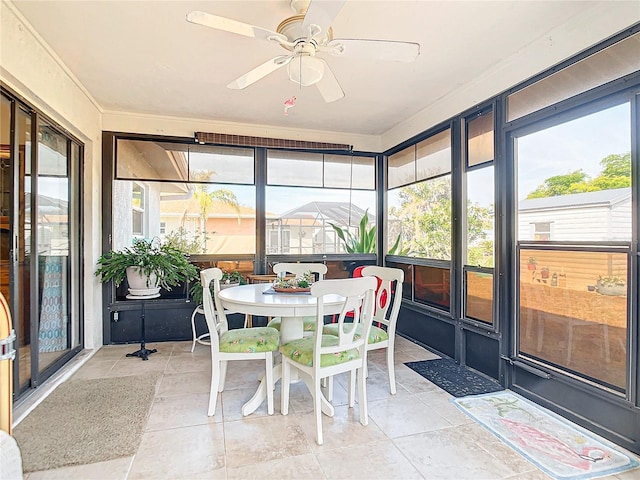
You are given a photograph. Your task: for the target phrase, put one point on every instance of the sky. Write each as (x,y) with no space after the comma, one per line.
(577,144)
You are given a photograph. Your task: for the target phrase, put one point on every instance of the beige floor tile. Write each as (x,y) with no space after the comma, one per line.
(440,401)
(260,439)
(180,453)
(301,401)
(244,374)
(342,430)
(435,396)
(111,470)
(184,362)
(181,411)
(382,460)
(299,467)
(94,369)
(391,416)
(184,383)
(628,475)
(411,381)
(112,352)
(234,400)
(534,475)
(401,356)
(136,366)
(452,453)
(185,347)
(417,352)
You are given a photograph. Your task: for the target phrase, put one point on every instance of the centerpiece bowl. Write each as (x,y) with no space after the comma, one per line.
(294,285)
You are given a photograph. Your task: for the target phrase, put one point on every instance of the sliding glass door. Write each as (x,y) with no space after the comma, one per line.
(40,248)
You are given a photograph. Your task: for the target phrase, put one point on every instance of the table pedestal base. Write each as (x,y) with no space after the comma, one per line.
(143,353)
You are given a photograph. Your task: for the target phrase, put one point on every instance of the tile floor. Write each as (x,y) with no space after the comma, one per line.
(416,434)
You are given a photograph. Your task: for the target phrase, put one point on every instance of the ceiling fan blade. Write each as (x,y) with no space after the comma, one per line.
(322,13)
(233,26)
(328,86)
(259,72)
(374,49)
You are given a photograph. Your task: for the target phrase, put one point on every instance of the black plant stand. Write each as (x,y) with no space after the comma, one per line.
(144,352)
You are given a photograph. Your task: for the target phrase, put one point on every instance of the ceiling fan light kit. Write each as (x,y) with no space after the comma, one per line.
(304,35)
(306,70)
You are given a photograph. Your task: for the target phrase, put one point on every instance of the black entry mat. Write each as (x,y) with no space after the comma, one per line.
(459,381)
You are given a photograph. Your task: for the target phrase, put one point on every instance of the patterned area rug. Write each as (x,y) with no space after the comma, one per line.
(459,381)
(560,448)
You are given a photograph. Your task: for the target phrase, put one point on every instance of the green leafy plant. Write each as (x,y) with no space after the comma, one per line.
(611,281)
(168,263)
(233,277)
(227,278)
(365,242)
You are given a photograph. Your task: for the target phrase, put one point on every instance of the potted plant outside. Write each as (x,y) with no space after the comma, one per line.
(232,279)
(365,242)
(148,266)
(611,285)
(229,279)
(544,273)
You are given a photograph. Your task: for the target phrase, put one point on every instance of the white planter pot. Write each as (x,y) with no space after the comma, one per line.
(614,290)
(138,284)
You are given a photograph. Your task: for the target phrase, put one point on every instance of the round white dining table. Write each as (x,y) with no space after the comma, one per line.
(291,308)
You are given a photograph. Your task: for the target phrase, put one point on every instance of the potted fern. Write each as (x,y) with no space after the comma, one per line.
(148,265)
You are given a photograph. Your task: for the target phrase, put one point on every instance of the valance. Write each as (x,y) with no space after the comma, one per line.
(246,141)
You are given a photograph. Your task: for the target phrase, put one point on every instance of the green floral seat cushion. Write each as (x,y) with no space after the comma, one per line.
(249,340)
(309,323)
(375,334)
(301,350)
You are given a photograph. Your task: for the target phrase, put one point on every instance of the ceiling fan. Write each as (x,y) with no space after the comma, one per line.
(304,35)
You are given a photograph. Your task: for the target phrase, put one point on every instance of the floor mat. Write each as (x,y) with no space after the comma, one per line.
(459,381)
(86,421)
(560,448)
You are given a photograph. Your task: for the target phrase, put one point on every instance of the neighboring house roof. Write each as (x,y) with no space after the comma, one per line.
(341,213)
(48,205)
(605,198)
(191,207)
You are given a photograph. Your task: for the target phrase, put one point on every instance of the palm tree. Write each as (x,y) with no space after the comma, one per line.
(206,199)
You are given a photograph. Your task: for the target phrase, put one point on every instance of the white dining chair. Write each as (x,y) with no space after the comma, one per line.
(237,344)
(298,269)
(385,316)
(322,356)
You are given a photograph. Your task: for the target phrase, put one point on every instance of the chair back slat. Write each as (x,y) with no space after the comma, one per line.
(213,311)
(299,269)
(358,296)
(391,279)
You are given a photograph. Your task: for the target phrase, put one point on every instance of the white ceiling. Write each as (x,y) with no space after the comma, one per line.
(144,57)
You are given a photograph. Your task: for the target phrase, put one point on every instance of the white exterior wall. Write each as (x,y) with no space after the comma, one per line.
(620,229)
(599,223)
(32,70)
